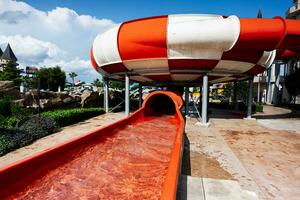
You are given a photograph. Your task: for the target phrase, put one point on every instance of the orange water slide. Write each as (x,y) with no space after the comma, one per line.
(135,158)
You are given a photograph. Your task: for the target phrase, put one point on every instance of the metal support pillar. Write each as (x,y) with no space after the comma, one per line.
(126,94)
(204,99)
(259,88)
(140,95)
(276,85)
(235,101)
(187,100)
(106,94)
(269,92)
(250,98)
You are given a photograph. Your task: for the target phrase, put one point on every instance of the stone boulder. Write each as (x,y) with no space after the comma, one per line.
(92,99)
(48,99)
(8,88)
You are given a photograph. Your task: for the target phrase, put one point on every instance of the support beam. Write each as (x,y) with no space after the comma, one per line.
(259,88)
(140,94)
(186,100)
(235,100)
(106,94)
(127,95)
(250,98)
(269,92)
(204,99)
(276,85)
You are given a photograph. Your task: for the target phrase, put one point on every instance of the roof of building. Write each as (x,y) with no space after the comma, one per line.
(1,52)
(8,54)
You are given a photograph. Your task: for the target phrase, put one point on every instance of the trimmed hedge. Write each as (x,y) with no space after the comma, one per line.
(37,127)
(71,116)
(11,139)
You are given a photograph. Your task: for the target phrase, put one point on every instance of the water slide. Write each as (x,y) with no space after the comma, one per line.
(135,158)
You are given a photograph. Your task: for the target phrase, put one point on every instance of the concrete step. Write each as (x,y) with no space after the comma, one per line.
(197,188)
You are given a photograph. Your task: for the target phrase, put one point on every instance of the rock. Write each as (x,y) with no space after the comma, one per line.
(116,98)
(28,99)
(91,99)
(8,88)
(48,99)
(68,100)
(45,103)
(56,101)
(6,84)
(20,103)
(63,95)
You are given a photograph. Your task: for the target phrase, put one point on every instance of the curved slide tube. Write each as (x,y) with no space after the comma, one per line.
(135,158)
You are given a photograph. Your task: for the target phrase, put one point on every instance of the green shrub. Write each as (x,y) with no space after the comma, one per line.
(37,127)
(11,122)
(45,123)
(11,139)
(71,116)
(5,106)
(33,129)
(2,122)
(258,107)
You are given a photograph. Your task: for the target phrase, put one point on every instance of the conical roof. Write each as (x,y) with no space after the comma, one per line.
(259,14)
(1,52)
(8,54)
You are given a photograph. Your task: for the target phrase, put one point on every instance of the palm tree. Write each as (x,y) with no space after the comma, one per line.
(72,76)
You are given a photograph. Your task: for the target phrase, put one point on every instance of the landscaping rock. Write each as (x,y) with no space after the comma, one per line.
(91,99)
(8,88)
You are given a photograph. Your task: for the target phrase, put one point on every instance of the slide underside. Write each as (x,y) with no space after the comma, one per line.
(135,158)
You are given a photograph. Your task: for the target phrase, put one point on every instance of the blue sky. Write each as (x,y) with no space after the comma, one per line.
(61,32)
(122,10)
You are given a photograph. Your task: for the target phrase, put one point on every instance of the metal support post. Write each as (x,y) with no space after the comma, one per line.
(204,99)
(106,94)
(269,92)
(235,100)
(127,95)
(250,98)
(186,99)
(259,88)
(140,95)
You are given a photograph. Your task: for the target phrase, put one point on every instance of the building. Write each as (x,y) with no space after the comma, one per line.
(294,11)
(270,84)
(7,56)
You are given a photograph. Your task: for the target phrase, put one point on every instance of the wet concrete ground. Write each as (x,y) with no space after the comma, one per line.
(262,159)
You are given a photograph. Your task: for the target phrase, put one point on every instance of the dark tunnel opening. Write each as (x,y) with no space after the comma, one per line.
(159,104)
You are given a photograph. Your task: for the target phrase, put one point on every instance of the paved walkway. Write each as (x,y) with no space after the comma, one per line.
(264,160)
(196,188)
(65,134)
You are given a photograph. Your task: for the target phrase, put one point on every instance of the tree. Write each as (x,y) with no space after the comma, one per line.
(51,78)
(242,90)
(11,73)
(117,84)
(97,83)
(292,83)
(72,76)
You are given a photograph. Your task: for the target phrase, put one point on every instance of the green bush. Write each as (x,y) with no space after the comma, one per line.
(258,107)
(11,139)
(71,116)
(37,127)
(5,107)
(45,123)
(33,129)
(11,122)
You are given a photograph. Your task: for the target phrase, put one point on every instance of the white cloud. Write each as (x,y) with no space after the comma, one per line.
(57,37)
(30,50)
